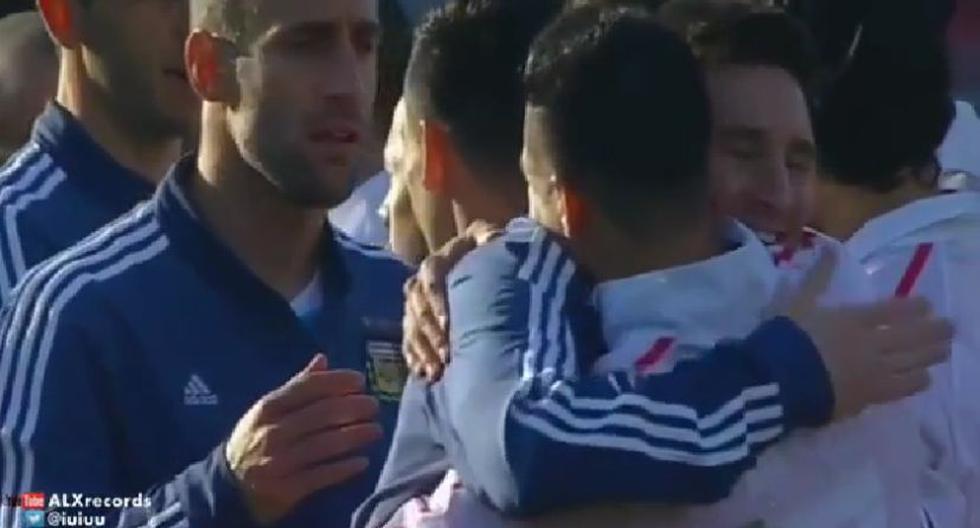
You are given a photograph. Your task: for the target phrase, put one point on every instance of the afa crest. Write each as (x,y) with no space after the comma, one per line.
(387,371)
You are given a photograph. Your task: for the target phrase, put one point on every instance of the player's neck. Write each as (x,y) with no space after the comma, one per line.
(150,159)
(612,256)
(278,240)
(496,207)
(854,207)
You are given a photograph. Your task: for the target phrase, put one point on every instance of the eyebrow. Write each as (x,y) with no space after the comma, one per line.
(797,145)
(804,147)
(326,29)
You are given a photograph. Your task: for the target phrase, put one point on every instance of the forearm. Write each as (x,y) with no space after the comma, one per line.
(681,437)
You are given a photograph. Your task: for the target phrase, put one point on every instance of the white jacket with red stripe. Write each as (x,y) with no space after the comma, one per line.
(931,247)
(859,473)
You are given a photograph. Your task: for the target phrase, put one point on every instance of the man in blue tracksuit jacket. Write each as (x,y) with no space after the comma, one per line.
(220,349)
(128,359)
(115,127)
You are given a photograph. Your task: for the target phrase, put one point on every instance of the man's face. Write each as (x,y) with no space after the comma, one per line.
(28,80)
(306,87)
(134,52)
(406,156)
(539,170)
(762,157)
(403,160)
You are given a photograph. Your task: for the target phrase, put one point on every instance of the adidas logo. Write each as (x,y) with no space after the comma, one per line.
(197,392)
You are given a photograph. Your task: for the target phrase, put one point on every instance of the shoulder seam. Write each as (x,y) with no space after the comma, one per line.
(37,183)
(49,291)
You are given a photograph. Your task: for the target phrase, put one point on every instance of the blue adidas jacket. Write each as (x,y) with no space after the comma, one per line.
(55,191)
(529,430)
(127,360)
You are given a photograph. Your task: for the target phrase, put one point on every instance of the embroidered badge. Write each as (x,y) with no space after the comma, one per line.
(387,371)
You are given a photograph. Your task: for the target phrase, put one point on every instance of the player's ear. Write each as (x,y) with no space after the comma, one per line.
(209,60)
(61,19)
(435,157)
(574,213)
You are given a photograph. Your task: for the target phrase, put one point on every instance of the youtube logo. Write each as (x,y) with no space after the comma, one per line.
(32,501)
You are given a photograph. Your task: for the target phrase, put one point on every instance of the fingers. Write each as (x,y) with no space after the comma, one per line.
(424,343)
(326,445)
(420,356)
(915,334)
(901,386)
(312,386)
(274,496)
(921,359)
(326,475)
(325,414)
(891,312)
(318,363)
(422,315)
(436,268)
(433,274)
(426,321)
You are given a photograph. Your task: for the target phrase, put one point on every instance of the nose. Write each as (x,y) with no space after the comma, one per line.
(775,191)
(345,75)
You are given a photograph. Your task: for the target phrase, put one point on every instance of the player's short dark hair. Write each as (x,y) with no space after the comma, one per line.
(726,32)
(835,23)
(27,28)
(626,114)
(889,107)
(465,72)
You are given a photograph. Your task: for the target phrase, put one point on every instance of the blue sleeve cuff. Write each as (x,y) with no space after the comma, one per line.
(212,494)
(788,354)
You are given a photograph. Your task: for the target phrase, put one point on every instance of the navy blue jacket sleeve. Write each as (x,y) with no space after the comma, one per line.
(530,431)
(58,430)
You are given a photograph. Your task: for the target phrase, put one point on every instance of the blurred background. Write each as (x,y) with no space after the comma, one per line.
(965,45)
(964,38)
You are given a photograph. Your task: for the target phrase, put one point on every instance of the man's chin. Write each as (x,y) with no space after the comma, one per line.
(318,198)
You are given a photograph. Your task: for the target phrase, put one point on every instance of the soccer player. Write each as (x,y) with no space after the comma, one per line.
(28,75)
(122,107)
(420,221)
(490,330)
(220,349)
(361,216)
(835,24)
(878,127)
(403,162)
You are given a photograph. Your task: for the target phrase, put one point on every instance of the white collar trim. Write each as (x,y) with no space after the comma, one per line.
(886,229)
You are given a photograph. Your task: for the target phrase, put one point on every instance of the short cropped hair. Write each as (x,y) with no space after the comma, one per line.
(889,106)
(626,114)
(726,32)
(465,72)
